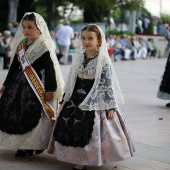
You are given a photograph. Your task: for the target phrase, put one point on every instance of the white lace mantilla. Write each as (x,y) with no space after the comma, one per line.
(42,44)
(101,96)
(37,53)
(89,72)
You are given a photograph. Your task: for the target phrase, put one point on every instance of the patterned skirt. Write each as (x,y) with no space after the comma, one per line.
(74,126)
(88,137)
(20,114)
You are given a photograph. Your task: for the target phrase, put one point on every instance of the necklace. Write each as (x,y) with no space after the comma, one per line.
(86,59)
(84,72)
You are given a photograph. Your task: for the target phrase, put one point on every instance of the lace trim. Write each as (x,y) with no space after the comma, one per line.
(89,72)
(37,53)
(101,96)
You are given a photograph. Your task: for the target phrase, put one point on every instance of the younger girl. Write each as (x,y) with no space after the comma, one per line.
(90,129)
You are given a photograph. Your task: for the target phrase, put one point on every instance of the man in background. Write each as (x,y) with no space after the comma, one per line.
(64,36)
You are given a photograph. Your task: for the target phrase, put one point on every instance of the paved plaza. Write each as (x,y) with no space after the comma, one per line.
(146,115)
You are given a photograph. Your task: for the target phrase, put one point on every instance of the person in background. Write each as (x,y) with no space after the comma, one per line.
(5,48)
(64,36)
(164,88)
(155,29)
(14,28)
(161,28)
(1,36)
(145,24)
(2,53)
(29,93)
(9,26)
(74,41)
(90,128)
(167,36)
(142,52)
(55,45)
(139,26)
(151,47)
(117,49)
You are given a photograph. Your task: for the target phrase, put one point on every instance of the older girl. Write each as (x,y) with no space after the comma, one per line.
(33,81)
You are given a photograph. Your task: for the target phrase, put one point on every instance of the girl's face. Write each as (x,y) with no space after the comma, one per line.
(90,41)
(30,30)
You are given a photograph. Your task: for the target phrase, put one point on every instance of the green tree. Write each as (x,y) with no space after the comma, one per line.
(3,14)
(93,10)
(132,5)
(49,10)
(23,7)
(165,17)
(97,11)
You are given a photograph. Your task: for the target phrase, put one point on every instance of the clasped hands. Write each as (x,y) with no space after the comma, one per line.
(110,113)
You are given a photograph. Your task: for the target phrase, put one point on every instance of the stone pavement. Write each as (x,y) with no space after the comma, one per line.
(139,81)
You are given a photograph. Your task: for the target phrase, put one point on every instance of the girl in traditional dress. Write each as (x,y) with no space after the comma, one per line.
(164,88)
(90,128)
(33,84)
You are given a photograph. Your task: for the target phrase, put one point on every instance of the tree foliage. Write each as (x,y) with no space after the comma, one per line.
(3,14)
(165,17)
(93,10)
(132,4)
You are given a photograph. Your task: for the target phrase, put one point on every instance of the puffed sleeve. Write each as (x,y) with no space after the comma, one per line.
(50,77)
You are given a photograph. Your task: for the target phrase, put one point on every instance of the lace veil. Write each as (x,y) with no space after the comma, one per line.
(46,38)
(105,93)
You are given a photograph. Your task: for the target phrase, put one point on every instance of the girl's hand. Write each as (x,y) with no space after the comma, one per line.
(48,96)
(109,114)
(2,89)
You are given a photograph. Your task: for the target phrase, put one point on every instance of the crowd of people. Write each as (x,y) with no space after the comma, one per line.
(65,40)
(5,39)
(131,48)
(5,52)
(144,26)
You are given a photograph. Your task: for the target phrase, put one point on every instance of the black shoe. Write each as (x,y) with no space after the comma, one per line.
(84,168)
(168,104)
(38,151)
(22,153)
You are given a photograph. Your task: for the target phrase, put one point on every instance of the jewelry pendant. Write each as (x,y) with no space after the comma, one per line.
(26,52)
(84,73)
